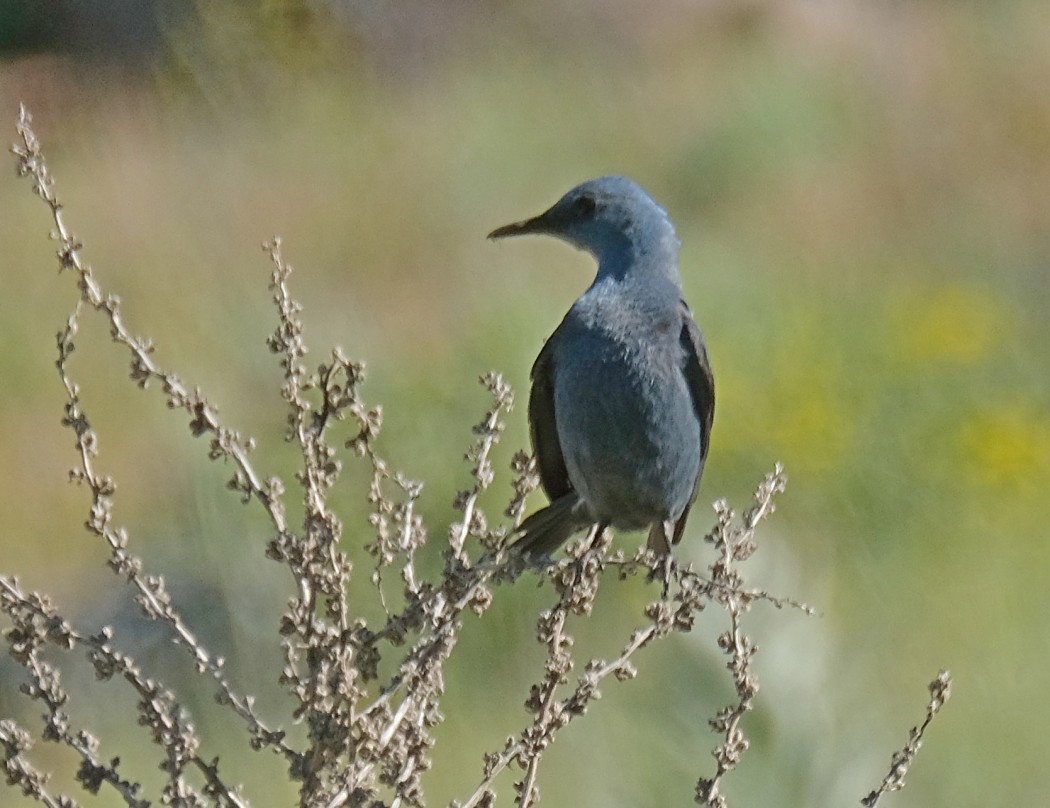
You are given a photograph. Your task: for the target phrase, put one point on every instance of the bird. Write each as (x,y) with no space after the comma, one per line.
(622,398)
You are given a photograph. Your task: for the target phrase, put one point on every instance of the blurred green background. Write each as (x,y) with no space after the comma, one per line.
(863,195)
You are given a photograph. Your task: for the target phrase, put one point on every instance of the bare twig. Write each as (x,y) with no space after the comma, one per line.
(153,596)
(940,691)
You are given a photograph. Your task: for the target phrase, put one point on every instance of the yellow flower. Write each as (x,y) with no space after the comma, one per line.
(1007,445)
(958,323)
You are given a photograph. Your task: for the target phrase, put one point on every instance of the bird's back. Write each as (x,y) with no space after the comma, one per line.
(626,422)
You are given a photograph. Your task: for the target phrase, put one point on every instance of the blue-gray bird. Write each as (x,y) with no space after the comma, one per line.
(622,397)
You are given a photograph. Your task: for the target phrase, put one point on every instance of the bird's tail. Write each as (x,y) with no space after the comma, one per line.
(548,529)
(659,534)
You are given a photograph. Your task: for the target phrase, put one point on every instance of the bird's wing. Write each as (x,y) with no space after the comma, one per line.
(701,381)
(543,427)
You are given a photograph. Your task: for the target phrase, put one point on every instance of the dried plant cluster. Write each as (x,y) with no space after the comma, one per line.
(368,735)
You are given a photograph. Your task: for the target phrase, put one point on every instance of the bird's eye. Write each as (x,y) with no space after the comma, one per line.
(585,206)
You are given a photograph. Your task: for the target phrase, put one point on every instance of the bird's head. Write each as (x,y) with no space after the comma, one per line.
(610,217)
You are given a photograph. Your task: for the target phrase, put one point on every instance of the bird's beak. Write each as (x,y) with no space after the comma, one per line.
(537,224)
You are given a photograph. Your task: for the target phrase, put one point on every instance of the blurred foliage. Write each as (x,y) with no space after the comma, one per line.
(128,33)
(861,192)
